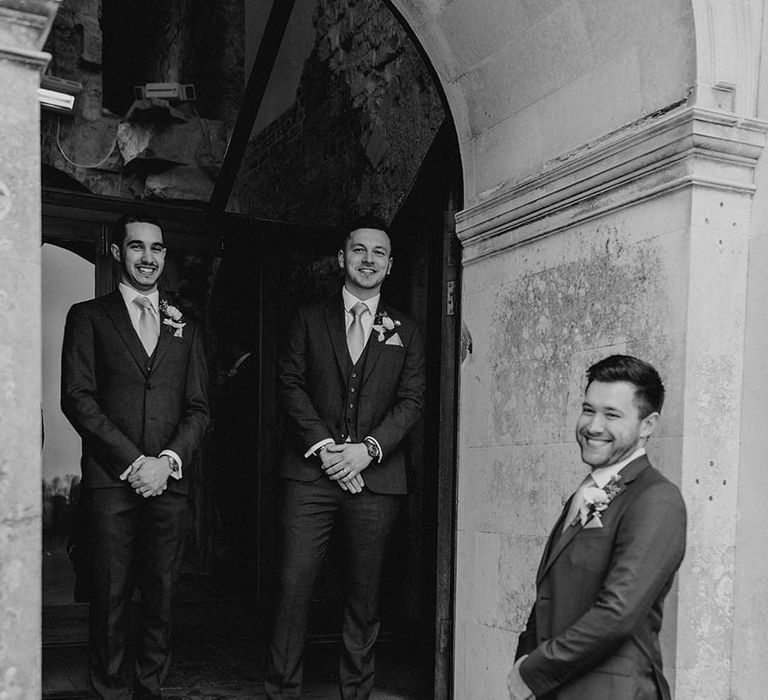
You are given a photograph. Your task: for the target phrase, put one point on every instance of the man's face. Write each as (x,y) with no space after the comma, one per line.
(366,261)
(142,256)
(609,428)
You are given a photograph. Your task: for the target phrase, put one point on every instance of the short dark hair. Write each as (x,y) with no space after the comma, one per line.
(365,221)
(135,216)
(649,390)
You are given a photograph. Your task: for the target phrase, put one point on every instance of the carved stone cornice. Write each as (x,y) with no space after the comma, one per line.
(683,148)
(24,27)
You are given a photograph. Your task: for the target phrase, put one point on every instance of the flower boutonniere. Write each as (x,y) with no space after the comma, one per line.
(596,500)
(386,328)
(173,318)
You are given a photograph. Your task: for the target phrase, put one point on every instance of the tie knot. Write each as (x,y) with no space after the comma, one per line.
(359,309)
(143,302)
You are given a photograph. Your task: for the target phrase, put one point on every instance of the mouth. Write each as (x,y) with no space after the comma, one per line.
(367,270)
(594,442)
(146,270)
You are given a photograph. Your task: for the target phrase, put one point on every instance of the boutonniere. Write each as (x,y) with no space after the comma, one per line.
(385,326)
(596,500)
(173,318)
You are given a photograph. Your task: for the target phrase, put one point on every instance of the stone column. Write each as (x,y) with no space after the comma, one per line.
(24,25)
(635,244)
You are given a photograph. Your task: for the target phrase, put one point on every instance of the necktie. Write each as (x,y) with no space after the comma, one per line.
(148,331)
(577,502)
(355,334)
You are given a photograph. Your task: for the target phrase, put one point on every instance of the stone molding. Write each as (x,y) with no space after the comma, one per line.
(686,147)
(24,27)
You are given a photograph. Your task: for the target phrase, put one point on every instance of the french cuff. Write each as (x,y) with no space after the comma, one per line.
(374,440)
(517,685)
(311,451)
(177,459)
(125,474)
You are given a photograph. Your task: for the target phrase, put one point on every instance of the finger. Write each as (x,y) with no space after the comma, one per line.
(334,447)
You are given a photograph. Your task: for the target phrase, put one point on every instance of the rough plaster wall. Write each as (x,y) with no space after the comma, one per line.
(19,383)
(539,315)
(366,112)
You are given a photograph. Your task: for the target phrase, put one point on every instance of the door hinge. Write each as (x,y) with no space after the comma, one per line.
(450,299)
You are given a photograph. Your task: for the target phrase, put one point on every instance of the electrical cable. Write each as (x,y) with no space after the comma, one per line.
(72,162)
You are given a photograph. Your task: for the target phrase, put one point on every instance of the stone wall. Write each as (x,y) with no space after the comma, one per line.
(365,114)
(112,145)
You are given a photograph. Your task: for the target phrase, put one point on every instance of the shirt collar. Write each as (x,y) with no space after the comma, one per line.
(602,475)
(350,300)
(129,294)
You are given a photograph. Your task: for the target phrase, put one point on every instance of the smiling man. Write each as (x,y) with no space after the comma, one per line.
(134,386)
(351,382)
(611,558)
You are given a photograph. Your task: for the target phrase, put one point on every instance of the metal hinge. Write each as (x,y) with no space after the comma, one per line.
(450,298)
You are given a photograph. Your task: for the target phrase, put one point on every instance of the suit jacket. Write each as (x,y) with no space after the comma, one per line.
(124,403)
(600,595)
(313,374)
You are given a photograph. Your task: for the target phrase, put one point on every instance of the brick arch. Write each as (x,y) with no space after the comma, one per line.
(527,82)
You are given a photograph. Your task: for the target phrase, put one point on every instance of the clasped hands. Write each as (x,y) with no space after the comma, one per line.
(343,463)
(148,476)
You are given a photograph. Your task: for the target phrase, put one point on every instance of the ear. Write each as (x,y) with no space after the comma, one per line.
(340,258)
(389,267)
(649,424)
(115,249)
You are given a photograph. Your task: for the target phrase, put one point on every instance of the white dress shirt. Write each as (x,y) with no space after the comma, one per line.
(134,311)
(367,320)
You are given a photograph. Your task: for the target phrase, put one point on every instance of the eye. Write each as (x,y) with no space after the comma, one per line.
(587,410)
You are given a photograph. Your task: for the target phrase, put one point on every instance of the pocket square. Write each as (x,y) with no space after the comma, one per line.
(394,340)
(593,522)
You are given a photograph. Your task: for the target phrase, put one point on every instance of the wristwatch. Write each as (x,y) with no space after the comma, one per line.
(173,464)
(373,449)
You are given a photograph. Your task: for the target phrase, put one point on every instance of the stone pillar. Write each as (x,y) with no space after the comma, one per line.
(24,25)
(636,244)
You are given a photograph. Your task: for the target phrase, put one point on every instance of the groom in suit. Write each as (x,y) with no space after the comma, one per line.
(593,631)
(134,386)
(351,381)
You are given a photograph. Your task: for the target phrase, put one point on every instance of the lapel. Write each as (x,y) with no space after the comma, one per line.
(333,311)
(163,341)
(374,347)
(559,541)
(115,307)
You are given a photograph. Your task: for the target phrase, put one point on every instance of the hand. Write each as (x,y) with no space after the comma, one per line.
(517,687)
(346,461)
(329,460)
(149,476)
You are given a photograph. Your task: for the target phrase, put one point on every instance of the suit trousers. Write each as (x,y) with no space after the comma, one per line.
(306,522)
(137,543)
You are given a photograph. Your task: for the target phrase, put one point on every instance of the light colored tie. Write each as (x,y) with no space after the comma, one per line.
(577,502)
(148,330)
(356,334)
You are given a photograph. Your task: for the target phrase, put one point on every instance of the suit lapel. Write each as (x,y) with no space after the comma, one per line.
(559,541)
(334,319)
(374,347)
(115,307)
(163,343)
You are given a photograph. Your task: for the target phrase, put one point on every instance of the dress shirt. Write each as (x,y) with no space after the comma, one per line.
(367,320)
(134,311)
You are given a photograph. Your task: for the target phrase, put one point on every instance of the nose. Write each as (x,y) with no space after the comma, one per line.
(596,424)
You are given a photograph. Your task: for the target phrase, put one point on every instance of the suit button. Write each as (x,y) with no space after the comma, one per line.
(352,390)
(354,374)
(351,405)
(149,386)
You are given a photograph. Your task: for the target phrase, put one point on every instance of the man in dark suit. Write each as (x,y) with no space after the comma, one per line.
(134,386)
(352,385)
(593,631)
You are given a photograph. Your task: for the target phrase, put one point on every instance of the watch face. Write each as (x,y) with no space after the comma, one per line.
(373,451)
